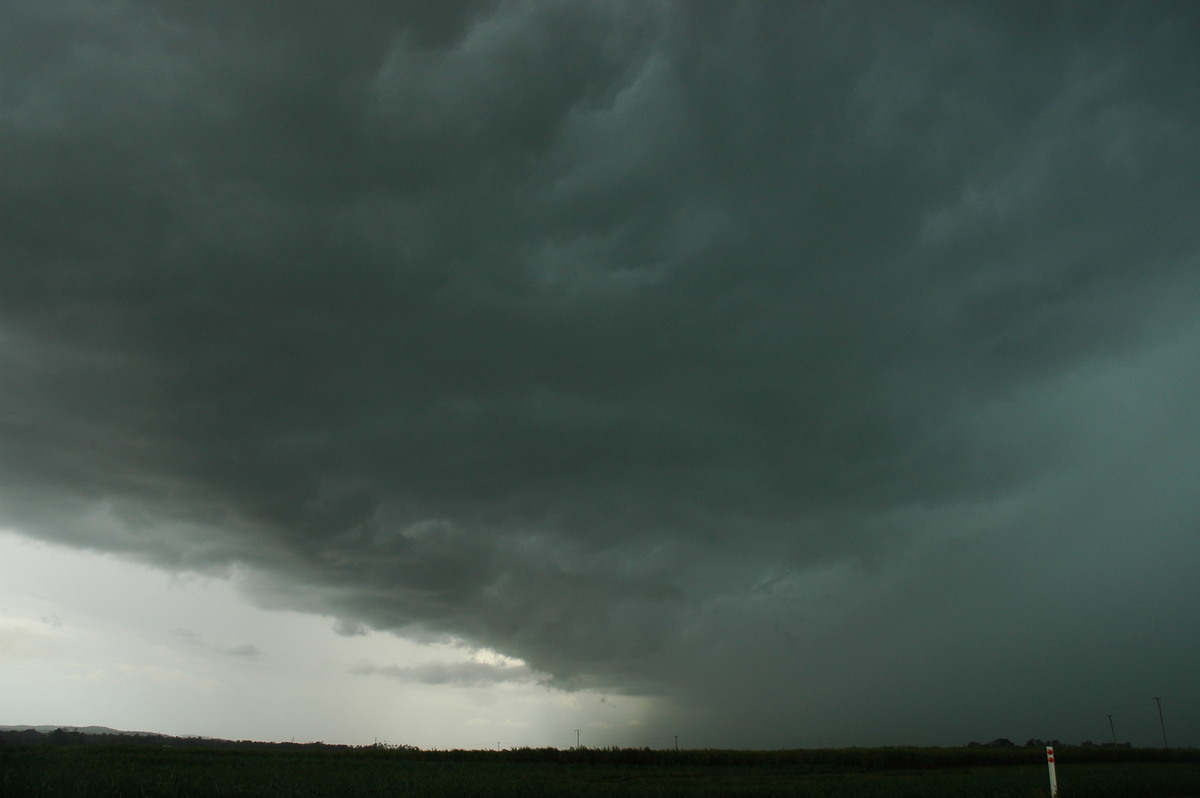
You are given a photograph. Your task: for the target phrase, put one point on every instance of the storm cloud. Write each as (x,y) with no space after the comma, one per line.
(469,674)
(826,370)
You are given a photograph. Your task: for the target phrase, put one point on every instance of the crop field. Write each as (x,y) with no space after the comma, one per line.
(111,770)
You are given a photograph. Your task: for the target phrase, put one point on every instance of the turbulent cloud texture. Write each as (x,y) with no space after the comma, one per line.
(827,370)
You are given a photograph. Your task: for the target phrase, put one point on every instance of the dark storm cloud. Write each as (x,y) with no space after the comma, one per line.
(347,628)
(776,339)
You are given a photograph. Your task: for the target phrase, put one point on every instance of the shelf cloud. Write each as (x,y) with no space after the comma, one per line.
(827,372)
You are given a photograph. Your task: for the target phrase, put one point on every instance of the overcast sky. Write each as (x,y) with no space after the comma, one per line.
(766,374)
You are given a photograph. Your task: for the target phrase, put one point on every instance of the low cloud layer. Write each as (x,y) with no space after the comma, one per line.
(826,371)
(461,674)
(245,649)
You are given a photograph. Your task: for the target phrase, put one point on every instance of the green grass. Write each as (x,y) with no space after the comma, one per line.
(99,771)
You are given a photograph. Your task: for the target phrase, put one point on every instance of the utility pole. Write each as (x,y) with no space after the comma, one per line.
(1161,725)
(676,742)
(577,738)
(1113,729)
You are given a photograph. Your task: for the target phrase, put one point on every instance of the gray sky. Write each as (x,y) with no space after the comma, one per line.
(788,374)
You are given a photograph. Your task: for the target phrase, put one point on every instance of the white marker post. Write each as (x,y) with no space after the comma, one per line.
(1053,778)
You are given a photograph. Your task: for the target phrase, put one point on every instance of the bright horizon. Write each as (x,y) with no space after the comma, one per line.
(137,649)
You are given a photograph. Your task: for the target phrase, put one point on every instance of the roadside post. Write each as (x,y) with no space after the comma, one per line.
(1053,778)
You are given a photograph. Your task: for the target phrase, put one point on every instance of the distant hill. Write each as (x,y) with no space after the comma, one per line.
(79,729)
(104,735)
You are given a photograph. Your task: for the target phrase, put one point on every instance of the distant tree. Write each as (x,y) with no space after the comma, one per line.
(1002,742)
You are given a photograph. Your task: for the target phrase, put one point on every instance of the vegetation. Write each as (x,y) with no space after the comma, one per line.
(182,771)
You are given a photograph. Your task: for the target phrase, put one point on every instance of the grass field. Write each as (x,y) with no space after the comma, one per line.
(885,773)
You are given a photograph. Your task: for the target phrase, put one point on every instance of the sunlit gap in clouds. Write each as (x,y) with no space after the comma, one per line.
(90,639)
